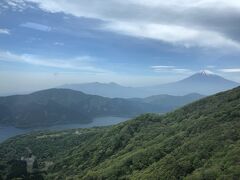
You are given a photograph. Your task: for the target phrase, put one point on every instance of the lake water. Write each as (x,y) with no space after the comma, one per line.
(7,132)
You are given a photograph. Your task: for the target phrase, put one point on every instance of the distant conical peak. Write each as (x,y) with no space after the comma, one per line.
(203,73)
(206,72)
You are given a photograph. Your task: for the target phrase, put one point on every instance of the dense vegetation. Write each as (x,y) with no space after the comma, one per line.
(59,106)
(200,141)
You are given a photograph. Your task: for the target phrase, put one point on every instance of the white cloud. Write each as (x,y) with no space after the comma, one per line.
(82,63)
(173,34)
(170,69)
(189,3)
(4,31)
(230,70)
(59,43)
(183,71)
(16,5)
(36,26)
(181,22)
(162,67)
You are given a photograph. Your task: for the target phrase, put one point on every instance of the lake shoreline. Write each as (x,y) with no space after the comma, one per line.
(7,132)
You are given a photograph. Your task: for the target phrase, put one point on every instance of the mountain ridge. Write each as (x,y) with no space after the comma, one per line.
(112,89)
(61,106)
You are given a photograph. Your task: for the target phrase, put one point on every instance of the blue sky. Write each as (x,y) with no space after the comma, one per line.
(135,43)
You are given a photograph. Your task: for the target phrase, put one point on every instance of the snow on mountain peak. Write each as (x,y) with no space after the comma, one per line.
(206,72)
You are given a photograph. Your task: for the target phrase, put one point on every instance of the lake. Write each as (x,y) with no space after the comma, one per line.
(7,132)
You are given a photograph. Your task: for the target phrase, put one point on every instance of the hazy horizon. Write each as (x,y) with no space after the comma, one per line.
(60,85)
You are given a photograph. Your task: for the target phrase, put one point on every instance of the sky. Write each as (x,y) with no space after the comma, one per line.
(47,43)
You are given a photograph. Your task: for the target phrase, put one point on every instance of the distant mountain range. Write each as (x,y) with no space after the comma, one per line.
(105,89)
(61,106)
(166,103)
(201,83)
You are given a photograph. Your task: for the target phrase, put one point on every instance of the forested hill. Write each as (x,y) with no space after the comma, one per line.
(200,141)
(62,106)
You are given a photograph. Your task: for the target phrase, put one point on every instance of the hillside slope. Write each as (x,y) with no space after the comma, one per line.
(198,141)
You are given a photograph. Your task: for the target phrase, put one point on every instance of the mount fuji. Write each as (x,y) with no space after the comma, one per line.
(203,82)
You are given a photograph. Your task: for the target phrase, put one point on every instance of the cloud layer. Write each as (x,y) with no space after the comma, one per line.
(191,23)
(230,70)
(36,26)
(4,31)
(82,63)
(170,69)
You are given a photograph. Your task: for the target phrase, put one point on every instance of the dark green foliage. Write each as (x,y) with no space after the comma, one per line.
(35,164)
(18,169)
(200,141)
